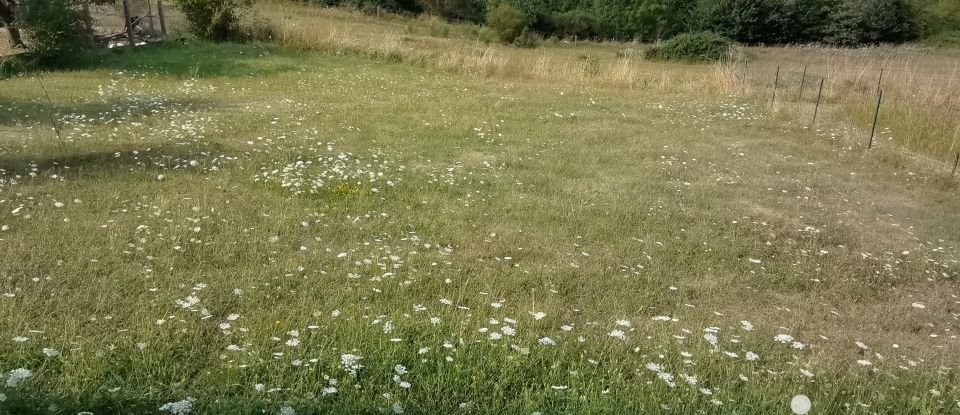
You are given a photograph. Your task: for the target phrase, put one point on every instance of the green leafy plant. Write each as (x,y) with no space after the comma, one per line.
(507,21)
(692,47)
(54,28)
(574,23)
(217,20)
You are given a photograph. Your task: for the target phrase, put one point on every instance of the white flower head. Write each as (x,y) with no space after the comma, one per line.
(183,407)
(16,376)
(351,363)
(800,404)
(783,338)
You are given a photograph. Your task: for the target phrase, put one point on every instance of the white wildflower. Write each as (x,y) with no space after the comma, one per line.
(783,338)
(351,363)
(617,334)
(183,407)
(800,404)
(16,376)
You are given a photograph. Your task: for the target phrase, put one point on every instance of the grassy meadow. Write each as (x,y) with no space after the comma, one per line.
(388,215)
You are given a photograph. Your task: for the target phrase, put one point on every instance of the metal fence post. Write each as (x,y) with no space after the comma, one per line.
(876,115)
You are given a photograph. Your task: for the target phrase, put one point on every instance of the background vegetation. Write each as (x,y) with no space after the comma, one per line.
(842,22)
(692,47)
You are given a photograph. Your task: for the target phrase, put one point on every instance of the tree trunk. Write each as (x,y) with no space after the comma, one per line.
(8,17)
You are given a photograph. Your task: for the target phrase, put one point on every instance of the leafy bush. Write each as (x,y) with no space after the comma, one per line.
(507,21)
(692,47)
(572,23)
(54,28)
(217,20)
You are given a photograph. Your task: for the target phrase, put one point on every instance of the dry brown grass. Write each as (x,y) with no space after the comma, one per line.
(921,92)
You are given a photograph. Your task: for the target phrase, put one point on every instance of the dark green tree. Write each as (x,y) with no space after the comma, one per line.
(856,22)
(746,21)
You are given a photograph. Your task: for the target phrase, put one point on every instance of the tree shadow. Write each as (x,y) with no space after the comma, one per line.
(121,158)
(180,58)
(38,111)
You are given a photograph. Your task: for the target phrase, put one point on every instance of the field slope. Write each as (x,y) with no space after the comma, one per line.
(239,229)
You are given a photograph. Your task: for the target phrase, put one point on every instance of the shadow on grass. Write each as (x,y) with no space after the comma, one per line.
(119,402)
(119,159)
(16,112)
(180,58)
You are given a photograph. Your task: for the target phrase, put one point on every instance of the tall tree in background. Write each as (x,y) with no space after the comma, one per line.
(804,21)
(8,15)
(747,21)
(855,22)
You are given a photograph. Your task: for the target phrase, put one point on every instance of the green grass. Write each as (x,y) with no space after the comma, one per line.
(588,204)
